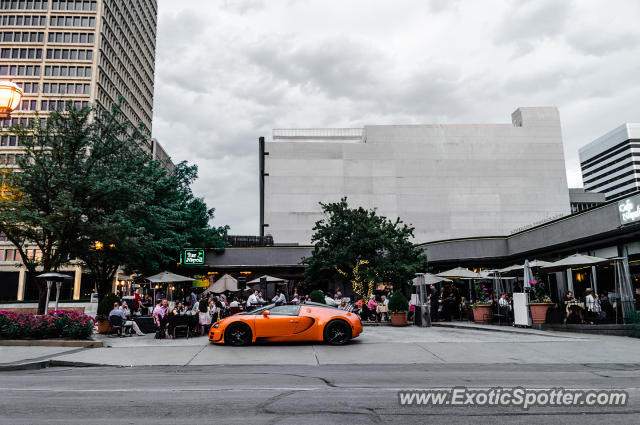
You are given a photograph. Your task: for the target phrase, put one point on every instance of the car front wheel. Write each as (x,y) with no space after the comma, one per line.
(337,332)
(237,334)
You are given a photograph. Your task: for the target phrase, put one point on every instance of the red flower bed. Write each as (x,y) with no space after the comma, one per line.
(55,324)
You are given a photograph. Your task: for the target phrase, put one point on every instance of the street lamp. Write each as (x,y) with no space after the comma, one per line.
(10,97)
(98,245)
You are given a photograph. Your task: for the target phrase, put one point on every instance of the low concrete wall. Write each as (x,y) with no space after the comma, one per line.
(90,309)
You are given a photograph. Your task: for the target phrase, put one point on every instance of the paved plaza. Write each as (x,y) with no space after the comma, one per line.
(377,345)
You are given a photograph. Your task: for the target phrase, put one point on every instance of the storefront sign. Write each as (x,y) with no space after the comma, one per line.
(629,210)
(193,256)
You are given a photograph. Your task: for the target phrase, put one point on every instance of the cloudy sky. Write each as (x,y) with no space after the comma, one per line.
(229,71)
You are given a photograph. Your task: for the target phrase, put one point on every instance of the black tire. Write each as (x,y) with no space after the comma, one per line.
(337,332)
(237,334)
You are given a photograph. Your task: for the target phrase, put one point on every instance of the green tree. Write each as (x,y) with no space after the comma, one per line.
(43,205)
(88,190)
(357,245)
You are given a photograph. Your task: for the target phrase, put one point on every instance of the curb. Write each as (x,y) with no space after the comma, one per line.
(481,328)
(49,343)
(26,366)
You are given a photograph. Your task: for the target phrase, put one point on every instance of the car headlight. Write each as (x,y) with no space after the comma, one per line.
(216,325)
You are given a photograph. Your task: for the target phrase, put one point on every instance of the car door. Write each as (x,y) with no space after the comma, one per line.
(281,321)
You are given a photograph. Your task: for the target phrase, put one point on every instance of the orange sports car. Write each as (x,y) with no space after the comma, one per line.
(305,322)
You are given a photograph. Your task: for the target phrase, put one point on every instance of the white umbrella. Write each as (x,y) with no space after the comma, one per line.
(528,274)
(430,279)
(575,260)
(225,283)
(460,273)
(518,267)
(269,279)
(168,277)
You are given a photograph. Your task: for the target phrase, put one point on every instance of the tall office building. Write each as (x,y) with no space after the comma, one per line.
(449,181)
(84,51)
(89,52)
(611,163)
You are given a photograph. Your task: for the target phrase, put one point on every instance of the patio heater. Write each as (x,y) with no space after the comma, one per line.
(50,278)
(423,309)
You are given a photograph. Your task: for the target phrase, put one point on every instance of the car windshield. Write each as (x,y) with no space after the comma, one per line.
(261,309)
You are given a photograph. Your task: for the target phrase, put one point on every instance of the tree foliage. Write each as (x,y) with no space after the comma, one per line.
(87,189)
(355,244)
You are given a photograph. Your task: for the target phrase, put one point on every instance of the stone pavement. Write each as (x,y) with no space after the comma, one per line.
(380,345)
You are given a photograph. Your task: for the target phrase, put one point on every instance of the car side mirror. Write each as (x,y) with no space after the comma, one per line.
(266,313)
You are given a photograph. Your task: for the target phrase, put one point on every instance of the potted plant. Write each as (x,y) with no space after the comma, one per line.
(540,303)
(398,307)
(104,307)
(481,308)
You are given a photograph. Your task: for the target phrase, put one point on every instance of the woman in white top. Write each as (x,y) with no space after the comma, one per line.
(204,316)
(593,304)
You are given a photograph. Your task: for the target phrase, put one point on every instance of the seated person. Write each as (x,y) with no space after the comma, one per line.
(130,323)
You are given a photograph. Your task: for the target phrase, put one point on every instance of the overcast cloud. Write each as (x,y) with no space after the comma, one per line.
(230,71)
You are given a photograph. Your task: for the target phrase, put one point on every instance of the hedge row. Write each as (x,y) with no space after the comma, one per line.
(55,324)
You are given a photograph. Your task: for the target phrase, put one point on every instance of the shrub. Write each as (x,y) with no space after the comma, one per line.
(55,324)
(398,303)
(106,305)
(317,296)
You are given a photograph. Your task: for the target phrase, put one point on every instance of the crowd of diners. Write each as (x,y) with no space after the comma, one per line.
(446,303)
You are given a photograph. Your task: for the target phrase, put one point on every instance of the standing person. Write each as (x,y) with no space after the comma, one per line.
(594,310)
(213,311)
(434,302)
(447,302)
(192,298)
(137,303)
(204,317)
(384,315)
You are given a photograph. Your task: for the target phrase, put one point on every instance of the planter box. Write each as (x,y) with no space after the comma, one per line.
(399,319)
(482,314)
(539,312)
(104,327)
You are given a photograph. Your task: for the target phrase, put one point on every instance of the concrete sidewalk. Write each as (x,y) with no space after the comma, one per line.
(380,345)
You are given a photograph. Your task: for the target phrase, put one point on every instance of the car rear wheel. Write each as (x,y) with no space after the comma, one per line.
(337,332)
(237,334)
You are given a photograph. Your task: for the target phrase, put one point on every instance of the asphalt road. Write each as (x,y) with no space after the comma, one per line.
(348,394)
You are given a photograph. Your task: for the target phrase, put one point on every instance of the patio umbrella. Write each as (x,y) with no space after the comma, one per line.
(269,279)
(528,274)
(51,277)
(519,267)
(575,260)
(430,279)
(460,273)
(167,277)
(225,283)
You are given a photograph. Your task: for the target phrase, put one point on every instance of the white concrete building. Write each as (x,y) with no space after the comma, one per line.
(448,181)
(611,163)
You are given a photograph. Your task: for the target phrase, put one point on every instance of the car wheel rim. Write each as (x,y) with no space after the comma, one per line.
(337,334)
(238,335)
